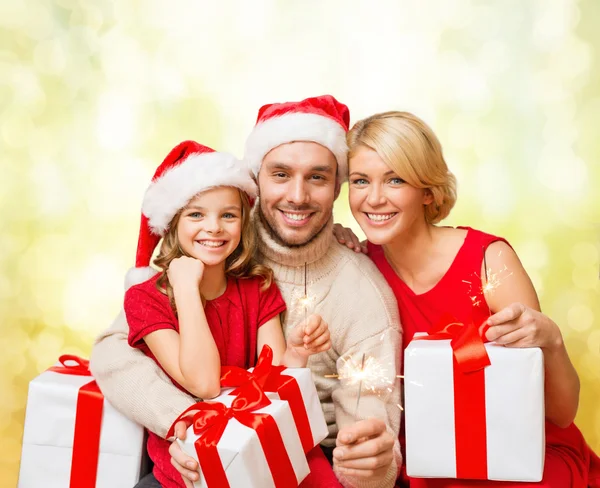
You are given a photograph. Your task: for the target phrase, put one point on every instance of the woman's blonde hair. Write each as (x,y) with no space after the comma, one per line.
(239,264)
(411,149)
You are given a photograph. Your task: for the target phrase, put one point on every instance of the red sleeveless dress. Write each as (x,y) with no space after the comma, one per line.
(569,460)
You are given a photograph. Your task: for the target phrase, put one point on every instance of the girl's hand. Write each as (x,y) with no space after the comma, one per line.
(520,326)
(185,271)
(312,338)
(345,235)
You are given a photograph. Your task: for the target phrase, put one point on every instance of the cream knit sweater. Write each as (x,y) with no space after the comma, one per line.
(350,294)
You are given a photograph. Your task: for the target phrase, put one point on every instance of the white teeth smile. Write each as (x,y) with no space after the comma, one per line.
(292,216)
(211,243)
(380,217)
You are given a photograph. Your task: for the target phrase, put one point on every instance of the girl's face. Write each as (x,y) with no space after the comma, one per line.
(383,204)
(210,226)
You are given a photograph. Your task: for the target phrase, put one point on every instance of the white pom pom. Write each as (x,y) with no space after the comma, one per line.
(138,275)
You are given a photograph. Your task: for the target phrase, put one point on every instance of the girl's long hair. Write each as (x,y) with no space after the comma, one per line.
(239,264)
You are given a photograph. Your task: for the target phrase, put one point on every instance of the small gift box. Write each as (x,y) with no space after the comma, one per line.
(293,385)
(73,437)
(473,410)
(245,440)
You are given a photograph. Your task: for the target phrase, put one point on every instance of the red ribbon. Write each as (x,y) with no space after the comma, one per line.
(469,360)
(209,420)
(88,423)
(269,378)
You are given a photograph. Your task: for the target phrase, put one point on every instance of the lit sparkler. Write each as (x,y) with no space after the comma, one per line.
(491,281)
(367,373)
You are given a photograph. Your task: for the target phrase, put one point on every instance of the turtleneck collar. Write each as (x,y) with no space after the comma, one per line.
(292,256)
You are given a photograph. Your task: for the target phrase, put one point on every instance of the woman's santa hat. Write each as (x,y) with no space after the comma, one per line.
(322,119)
(188,169)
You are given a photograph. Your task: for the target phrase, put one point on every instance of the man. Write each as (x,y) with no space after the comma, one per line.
(298,153)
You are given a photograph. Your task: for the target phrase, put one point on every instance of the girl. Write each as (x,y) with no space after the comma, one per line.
(211,304)
(400,187)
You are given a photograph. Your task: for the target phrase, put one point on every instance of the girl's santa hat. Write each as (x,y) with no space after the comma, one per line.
(188,169)
(322,119)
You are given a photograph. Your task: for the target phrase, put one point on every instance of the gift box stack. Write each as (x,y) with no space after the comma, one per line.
(258,431)
(473,410)
(256,434)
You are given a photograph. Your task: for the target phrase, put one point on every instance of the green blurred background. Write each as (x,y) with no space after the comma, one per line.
(94,94)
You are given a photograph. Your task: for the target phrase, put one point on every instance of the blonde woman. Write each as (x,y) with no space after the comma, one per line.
(400,189)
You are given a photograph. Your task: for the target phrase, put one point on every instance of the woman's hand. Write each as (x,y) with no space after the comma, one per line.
(185,271)
(518,325)
(344,235)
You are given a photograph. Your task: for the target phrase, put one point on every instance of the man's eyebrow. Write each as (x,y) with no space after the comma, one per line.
(322,168)
(278,165)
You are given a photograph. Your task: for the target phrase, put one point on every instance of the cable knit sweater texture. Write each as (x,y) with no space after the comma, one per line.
(345,288)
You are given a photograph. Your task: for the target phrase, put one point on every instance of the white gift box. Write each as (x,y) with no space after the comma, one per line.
(48,437)
(514,411)
(310,399)
(240,450)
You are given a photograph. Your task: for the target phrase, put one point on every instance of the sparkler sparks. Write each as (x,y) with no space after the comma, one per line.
(491,281)
(368,372)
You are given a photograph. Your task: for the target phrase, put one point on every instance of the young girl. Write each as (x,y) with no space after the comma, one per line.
(400,187)
(211,304)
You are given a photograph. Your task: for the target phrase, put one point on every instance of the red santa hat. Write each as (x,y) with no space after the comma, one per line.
(188,169)
(322,119)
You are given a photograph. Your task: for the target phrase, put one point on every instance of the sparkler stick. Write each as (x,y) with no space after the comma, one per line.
(362,372)
(305,293)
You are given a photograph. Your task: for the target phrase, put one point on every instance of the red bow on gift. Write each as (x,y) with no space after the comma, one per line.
(469,360)
(209,421)
(88,423)
(467,342)
(270,379)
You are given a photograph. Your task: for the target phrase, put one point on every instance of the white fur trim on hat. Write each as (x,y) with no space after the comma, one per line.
(292,127)
(136,276)
(177,186)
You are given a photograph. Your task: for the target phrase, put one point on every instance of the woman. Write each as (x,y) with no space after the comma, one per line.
(400,187)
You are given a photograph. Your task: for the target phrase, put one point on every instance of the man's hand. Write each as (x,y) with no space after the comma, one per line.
(364,449)
(344,235)
(310,338)
(184,464)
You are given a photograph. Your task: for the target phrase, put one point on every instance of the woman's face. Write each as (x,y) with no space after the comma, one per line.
(384,205)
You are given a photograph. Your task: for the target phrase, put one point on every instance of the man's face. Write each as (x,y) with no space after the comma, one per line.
(297,188)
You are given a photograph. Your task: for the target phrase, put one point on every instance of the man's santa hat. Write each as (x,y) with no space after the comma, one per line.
(322,119)
(188,169)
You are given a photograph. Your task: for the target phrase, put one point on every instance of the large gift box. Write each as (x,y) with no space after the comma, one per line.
(73,437)
(293,385)
(245,440)
(473,410)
